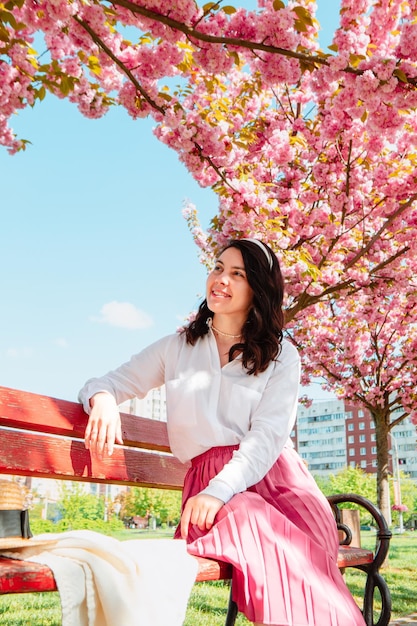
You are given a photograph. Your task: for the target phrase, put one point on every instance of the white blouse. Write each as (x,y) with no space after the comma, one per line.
(209,405)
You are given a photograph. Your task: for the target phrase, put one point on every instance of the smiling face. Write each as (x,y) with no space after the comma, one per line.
(227,289)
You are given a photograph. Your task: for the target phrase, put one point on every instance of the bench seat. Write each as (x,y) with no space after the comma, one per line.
(17,576)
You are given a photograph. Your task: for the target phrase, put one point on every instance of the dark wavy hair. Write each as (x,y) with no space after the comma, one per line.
(262,331)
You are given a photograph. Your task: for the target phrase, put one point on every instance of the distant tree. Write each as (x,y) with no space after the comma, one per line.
(170,507)
(349,480)
(408,499)
(75,504)
(162,504)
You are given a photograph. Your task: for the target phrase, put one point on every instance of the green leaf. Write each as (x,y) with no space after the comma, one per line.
(235,56)
(355,59)
(41,93)
(300,26)
(23,144)
(64,86)
(14,3)
(165,96)
(6,16)
(402,76)
(94,65)
(303,15)
(4,34)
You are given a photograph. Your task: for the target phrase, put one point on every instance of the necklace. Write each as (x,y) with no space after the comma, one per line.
(219,332)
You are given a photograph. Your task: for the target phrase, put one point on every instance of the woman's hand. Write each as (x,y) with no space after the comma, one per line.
(104,426)
(201,511)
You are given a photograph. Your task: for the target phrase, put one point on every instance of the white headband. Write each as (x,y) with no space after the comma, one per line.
(263,247)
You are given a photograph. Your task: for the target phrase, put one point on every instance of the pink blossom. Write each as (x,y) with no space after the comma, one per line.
(403,508)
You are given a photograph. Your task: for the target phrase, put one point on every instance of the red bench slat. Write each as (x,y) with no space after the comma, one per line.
(25,576)
(21,409)
(349,556)
(45,456)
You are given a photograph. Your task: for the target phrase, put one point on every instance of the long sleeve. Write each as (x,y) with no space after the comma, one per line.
(135,378)
(270,427)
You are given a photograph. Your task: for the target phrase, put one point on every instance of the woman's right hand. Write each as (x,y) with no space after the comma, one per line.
(104,425)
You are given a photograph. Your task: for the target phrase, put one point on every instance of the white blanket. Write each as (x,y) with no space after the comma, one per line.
(106,582)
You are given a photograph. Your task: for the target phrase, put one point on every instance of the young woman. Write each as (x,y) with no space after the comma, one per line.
(232,388)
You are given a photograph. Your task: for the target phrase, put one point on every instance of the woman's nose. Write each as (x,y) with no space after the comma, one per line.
(223,279)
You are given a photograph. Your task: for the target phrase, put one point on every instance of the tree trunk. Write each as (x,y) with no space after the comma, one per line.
(381,419)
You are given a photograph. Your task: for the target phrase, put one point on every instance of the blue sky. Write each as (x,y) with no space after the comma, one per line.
(92,234)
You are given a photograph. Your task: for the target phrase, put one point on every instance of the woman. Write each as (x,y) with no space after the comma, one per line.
(232,387)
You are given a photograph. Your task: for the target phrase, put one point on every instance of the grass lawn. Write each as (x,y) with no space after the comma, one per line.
(208,602)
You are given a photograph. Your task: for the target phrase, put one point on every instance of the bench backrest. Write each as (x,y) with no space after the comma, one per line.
(43,437)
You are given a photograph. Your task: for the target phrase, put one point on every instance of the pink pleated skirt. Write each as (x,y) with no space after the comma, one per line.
(281,538)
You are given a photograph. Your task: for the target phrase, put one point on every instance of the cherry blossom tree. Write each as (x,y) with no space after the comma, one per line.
(313,151)
(365,347)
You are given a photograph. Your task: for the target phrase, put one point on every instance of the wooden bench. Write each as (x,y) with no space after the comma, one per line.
(43,437)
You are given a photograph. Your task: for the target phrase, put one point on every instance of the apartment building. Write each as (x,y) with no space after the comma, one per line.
(332,434)
(320,436)
(153,405)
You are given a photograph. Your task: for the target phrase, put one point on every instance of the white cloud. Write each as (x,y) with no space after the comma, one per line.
(61,342)
(19,353)
(123,315)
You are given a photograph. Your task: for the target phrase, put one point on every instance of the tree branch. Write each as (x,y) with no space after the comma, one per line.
(401,209)
(398,420)
(193,33)
(100,43)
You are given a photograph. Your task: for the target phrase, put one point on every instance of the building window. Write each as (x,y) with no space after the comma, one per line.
(349,415)
(363,464)
(373,450)
(362,438)
(361,413)
(351,451)
(351,439)
(362,451)
(350,426)
(361,425)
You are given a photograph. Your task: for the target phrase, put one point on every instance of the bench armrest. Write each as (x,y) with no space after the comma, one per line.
(383,533)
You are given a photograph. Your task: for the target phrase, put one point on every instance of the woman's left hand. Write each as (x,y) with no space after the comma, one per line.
(201,511)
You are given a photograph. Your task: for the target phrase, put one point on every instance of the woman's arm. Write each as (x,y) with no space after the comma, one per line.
(101,396)
(269,431)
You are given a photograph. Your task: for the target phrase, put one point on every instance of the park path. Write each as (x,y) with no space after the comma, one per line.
(410,620)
